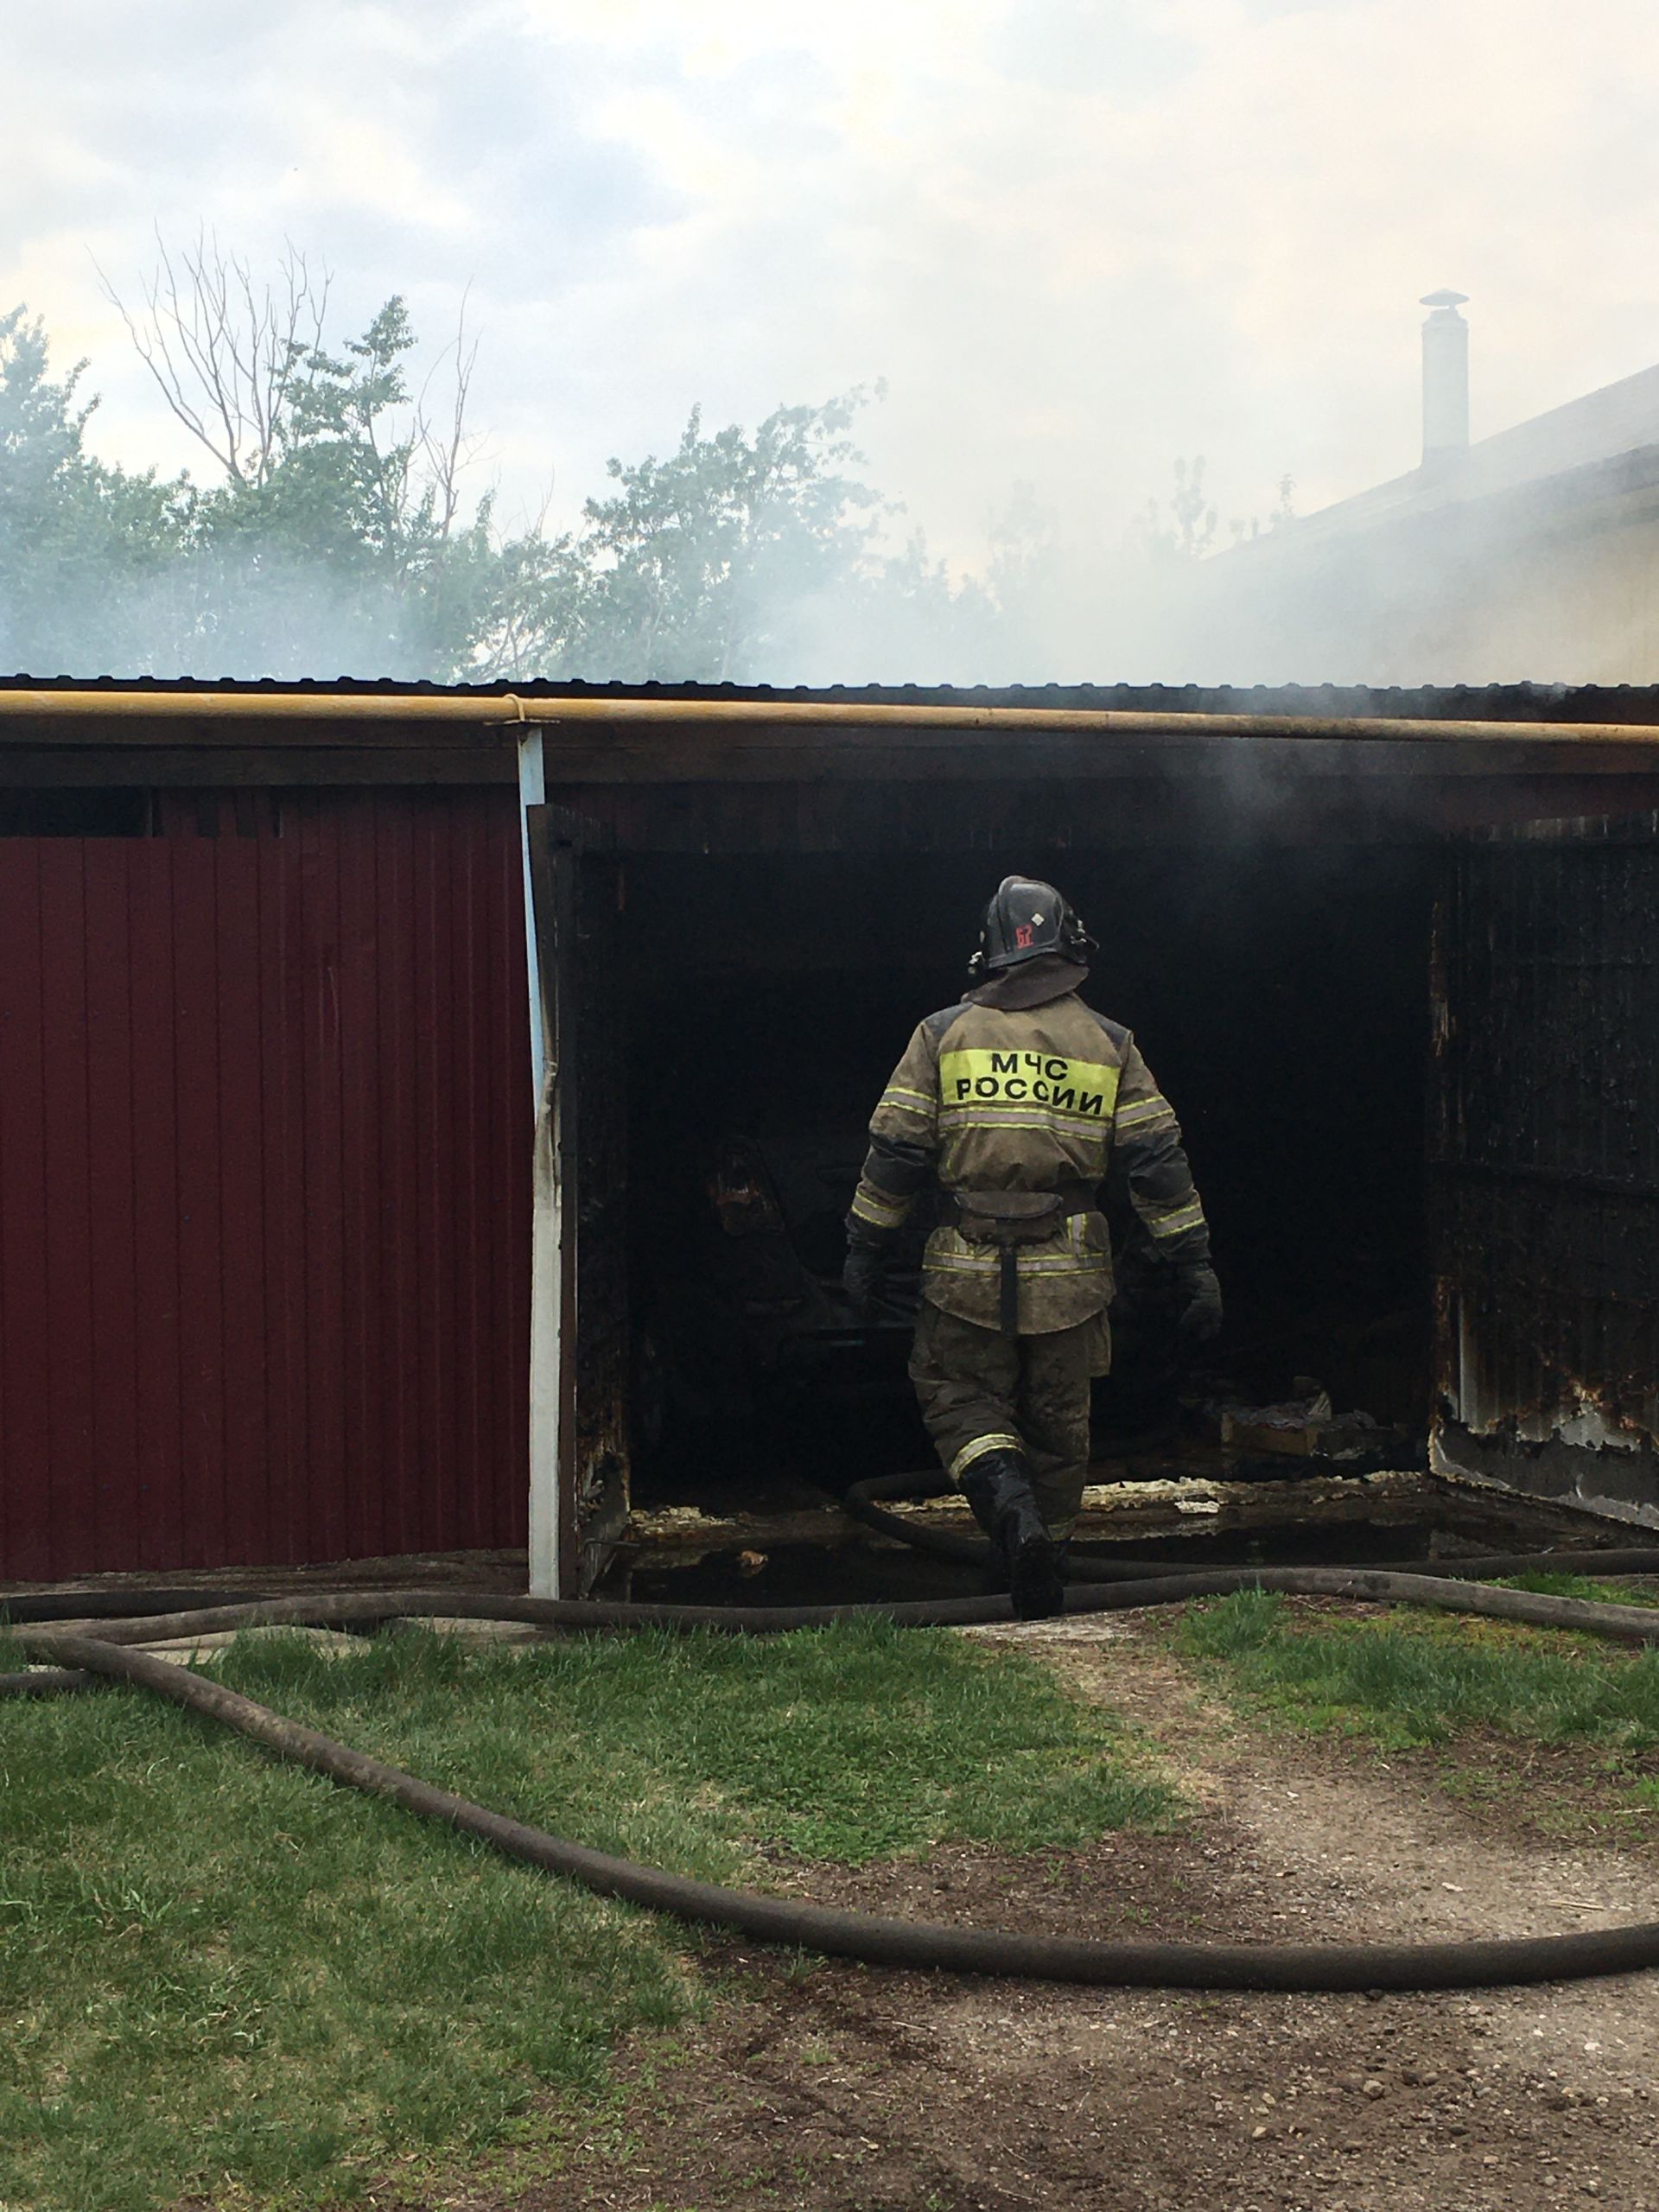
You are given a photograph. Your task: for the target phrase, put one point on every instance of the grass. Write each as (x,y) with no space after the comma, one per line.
(1636,1590)
(1412,1679)
(223,1979)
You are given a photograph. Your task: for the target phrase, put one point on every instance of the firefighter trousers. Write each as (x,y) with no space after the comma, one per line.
(980,1391)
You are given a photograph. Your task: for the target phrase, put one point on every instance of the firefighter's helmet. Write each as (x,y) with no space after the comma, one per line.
(1025,920)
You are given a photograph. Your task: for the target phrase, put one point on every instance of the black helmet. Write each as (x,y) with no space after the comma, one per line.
(1025,920)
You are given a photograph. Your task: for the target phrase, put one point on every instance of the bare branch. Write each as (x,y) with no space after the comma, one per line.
(228,353)
(451,450)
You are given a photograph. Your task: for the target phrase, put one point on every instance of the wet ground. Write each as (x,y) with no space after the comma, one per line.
(1184,1521)
(860,1572)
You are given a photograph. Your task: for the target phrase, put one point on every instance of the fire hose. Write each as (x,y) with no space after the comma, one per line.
(76,1659)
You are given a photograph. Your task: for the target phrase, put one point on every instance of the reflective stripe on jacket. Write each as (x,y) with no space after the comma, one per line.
(1028,1099)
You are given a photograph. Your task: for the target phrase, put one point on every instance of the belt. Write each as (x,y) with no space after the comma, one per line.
(1009,1219)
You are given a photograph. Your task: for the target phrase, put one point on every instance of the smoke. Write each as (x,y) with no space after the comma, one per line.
(1441,579)
(1044,607)
(1533,557)
(254,612)
(1498,566)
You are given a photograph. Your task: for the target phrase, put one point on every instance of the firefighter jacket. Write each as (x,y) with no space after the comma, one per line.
(1022,1088)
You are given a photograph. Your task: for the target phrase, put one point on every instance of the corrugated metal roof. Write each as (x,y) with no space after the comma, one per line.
(1533,701)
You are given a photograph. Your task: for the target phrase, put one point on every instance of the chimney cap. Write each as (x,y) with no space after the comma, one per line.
(1443,299)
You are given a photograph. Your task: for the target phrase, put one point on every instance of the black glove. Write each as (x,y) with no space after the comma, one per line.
(1200,1317)
(862,1274)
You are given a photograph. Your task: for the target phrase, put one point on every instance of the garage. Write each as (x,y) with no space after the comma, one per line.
(1392,957)
(322,1237)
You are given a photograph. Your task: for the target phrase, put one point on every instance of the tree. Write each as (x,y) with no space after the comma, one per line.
(80,544)
(338,525)
(356,524)
(531,606)
(1190,531)
(230,355)
(707,565)
(1283,512)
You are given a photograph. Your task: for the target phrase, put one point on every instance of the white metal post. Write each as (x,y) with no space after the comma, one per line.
(547,1225)
(532,791)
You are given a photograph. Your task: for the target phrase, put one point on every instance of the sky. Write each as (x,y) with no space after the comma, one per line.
(1072,238)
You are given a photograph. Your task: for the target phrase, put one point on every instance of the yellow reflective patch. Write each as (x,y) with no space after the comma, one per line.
(1073,1090)
(868,1205)
(966,1263)
(1172,1225)
(997,1440)
(1016,1117)
(1141,1110)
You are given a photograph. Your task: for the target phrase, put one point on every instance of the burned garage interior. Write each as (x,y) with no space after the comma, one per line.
(792,991)
(1356,949)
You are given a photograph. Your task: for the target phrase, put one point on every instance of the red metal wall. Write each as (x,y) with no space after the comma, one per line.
(264,1127)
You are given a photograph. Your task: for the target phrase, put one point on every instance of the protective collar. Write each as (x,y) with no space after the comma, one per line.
(1035,982)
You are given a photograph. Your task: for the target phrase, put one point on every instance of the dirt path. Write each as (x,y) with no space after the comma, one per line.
(861,2091)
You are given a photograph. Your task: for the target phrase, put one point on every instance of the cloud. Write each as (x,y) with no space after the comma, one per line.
(1078,240)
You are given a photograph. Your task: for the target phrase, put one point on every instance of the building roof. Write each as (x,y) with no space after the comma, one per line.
(1603,443)
(267,697)
(725,768)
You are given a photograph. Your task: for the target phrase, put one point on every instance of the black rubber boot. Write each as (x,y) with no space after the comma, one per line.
(998,1488)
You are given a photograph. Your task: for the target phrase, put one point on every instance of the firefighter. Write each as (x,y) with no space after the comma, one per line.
(1017,1100)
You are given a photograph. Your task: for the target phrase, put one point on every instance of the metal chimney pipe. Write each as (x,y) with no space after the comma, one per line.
(1445,379)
